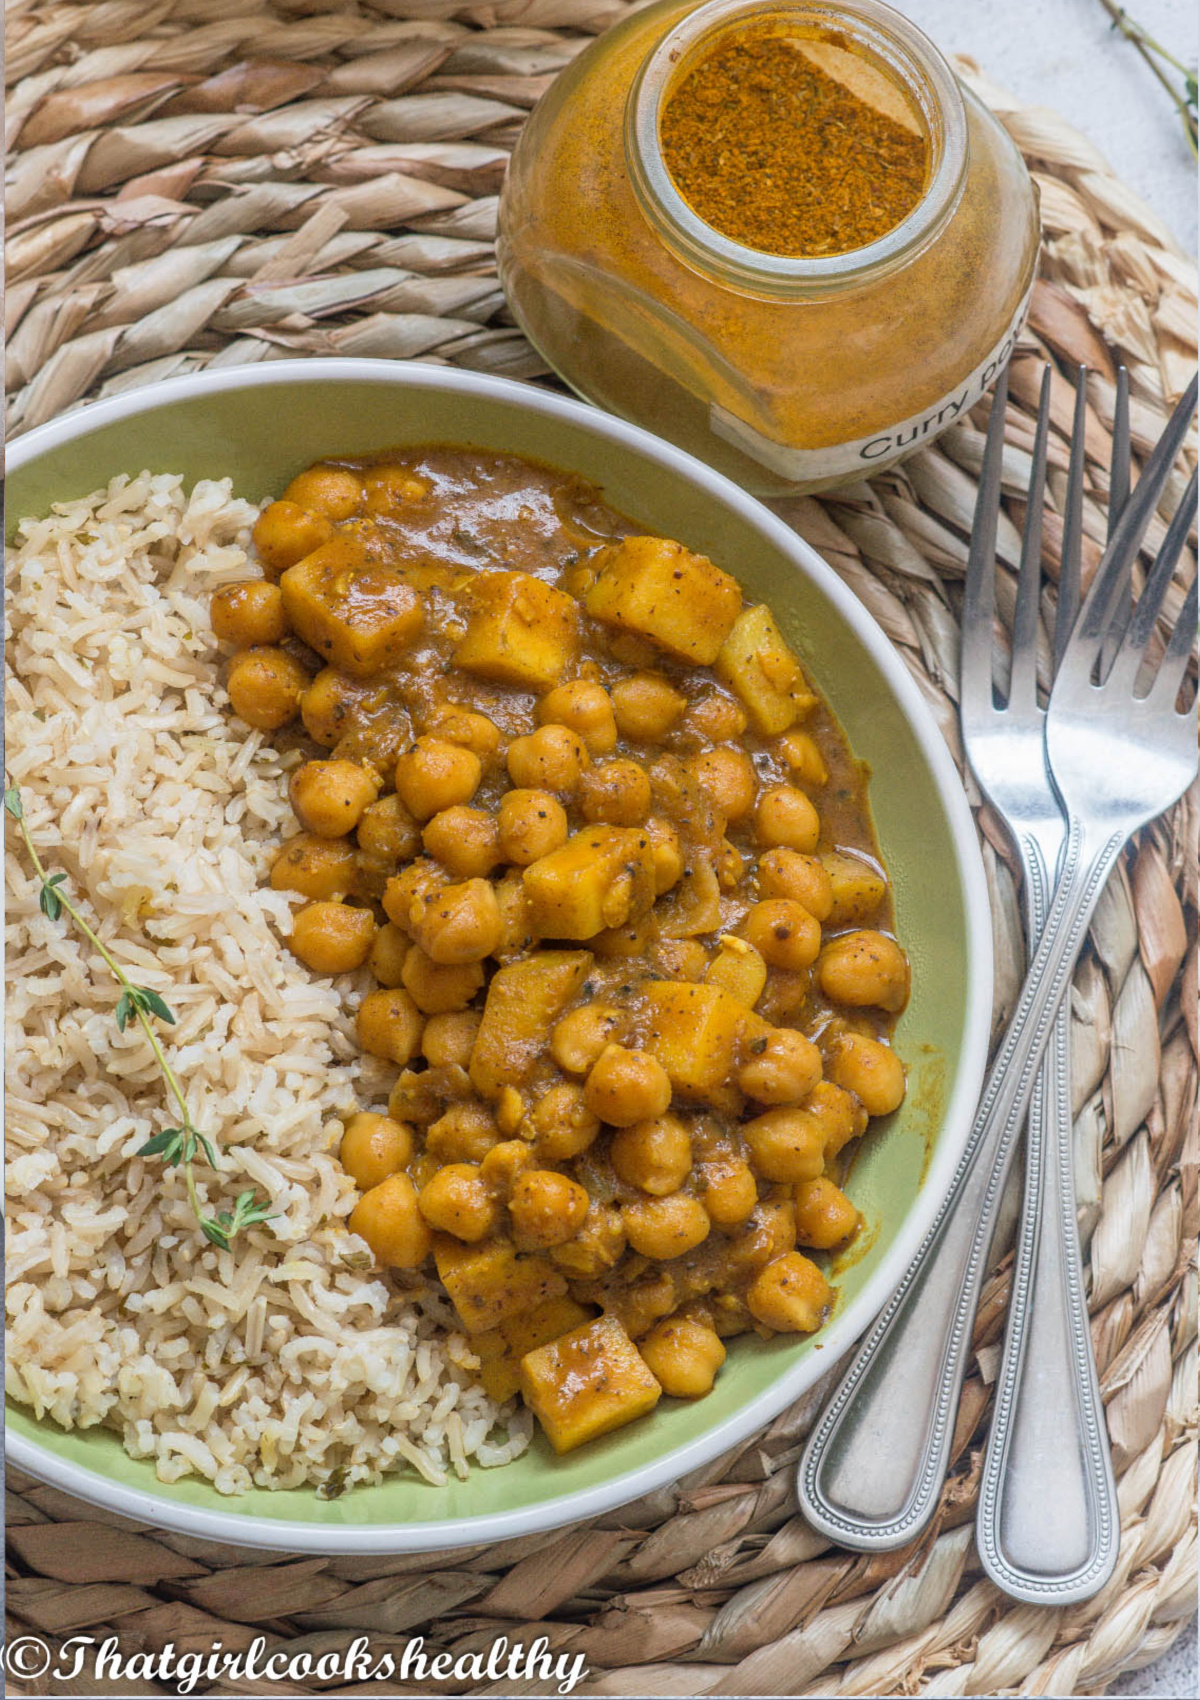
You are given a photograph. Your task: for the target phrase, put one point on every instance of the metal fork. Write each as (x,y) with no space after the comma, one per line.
(1048,1526)
(873,1467)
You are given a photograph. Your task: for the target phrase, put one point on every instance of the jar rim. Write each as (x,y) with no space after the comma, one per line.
(890,38)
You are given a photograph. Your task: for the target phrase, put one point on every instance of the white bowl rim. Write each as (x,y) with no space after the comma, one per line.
(247,1529)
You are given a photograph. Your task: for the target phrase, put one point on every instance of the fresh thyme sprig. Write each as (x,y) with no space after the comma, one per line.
(1156,57)
(174,1145)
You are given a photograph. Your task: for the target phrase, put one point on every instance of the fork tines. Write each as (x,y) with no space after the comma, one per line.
(1104,636)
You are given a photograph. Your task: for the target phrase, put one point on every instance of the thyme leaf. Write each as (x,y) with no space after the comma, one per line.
(174,1145)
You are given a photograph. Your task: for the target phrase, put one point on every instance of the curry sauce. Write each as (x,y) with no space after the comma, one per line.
(584,817)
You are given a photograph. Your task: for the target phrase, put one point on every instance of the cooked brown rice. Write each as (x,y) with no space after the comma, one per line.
(287,1360)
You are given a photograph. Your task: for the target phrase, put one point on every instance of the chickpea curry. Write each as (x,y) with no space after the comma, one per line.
(608,859)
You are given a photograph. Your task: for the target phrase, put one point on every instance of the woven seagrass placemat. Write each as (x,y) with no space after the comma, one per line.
(208,182)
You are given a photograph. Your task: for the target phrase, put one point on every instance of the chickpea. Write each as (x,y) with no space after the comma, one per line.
(374,1147)
(581,1035)
(249,613)
(504,1162)
(530,824)
(768,1233)
(459,1201)
(785,996)
(730,1190)
(464,841)
(390,489)
(631,938)
(265,687)
(509,1111)
(684,1356)
(546,1208)
(728,780)
(465,1133)
(563,1126)
(837,1114)
(824,1215)
(865,968)
(439,988)
(551,759)
(681,959)
(327,705)
(473,731)
(448,1038)
(857,889)
(415,884)
(716,718)
(654,1155)
(412,1099)
(585,708)
(784,815)
(388,831)
(781,1069)
(802,755)
(435,775)
(333,491)
(786,873)
(869,1069)
(663,1228)
(285,533)
(627,1086)
(386,960)
(616,792)
(790,1295)
(646,706)
(786,1145)
(458,923)
(597,1246)
(330,796)
(667,853)
(783,932)
(332,938)
(389,1025)
(388,1219)
(740,969)
(315,867)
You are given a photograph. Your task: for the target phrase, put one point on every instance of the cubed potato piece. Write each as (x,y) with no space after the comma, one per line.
(524,1001)
(693,1031)
(356,614)
(587,1383)
(491,1282)
(601,877)
(858,889)
(681,601)
(501,1349)
(769,681)
(521,632)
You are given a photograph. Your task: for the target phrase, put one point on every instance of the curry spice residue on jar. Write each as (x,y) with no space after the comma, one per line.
(608,861)
(827,171)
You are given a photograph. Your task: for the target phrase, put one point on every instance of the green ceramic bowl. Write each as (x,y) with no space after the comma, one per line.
(260,425)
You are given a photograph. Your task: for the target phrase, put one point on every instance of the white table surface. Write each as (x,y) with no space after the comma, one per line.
(1065,54)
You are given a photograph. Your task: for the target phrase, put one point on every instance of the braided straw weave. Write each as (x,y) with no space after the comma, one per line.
(208,182)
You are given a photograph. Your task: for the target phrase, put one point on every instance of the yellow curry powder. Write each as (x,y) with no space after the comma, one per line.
(777,155)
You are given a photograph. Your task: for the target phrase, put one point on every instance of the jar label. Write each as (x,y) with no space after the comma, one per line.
(882,448)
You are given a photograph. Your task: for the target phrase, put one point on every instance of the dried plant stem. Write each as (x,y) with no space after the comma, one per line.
(1156,55)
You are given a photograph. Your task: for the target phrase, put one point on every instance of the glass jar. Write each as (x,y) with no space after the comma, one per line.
(788,374)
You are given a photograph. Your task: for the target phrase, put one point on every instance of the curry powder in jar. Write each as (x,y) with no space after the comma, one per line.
(781,235)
